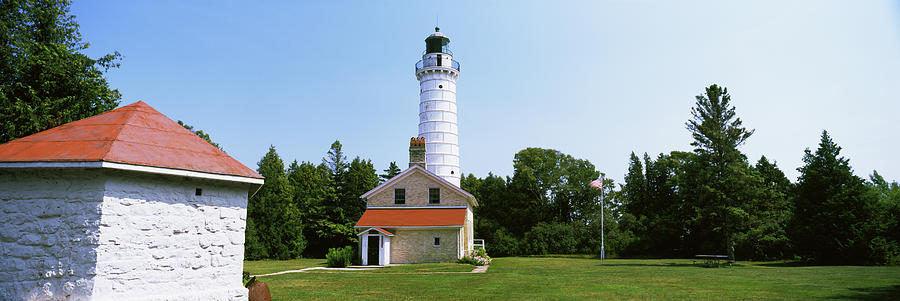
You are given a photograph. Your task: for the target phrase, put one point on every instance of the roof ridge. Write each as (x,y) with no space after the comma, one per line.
(119,127)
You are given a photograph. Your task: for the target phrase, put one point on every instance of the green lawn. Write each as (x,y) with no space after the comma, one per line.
(587,278)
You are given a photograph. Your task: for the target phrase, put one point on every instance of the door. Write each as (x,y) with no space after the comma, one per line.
(372,253)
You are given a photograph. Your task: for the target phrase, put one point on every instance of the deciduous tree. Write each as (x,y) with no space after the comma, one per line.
(200,133)
(45,79)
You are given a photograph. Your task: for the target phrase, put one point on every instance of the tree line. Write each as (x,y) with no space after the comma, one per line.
(308,208)
(711,200)
(676,204)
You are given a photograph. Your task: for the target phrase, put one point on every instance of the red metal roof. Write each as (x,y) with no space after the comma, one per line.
(412,217)
(134,134)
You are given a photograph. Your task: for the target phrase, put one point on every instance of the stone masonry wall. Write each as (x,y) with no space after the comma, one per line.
(49,233)
(159,240)
(75,234)
(416,186)
(417,246)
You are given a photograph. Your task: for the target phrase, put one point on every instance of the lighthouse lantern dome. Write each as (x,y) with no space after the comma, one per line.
(437,42)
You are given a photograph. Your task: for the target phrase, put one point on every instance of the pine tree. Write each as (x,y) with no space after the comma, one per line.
(45,79)
(833,208)
(315,195)
(359,178)
(277,228)
(336,162)
(635,189)
(392,171)
(719,185)
(766,235)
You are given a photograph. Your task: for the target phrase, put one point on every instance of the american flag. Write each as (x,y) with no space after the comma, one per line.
(597,184)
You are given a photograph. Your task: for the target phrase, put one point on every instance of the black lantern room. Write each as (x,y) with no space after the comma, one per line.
(437,43)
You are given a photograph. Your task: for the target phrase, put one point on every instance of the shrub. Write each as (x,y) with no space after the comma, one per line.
(479,258)
(247,280)
(555,238)
(504,243)
(481,252)
(340,257)
(467,260)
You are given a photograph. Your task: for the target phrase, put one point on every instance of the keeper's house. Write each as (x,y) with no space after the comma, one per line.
(125,205)
(416,217)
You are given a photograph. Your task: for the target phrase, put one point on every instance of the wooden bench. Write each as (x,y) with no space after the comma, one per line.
(713,260)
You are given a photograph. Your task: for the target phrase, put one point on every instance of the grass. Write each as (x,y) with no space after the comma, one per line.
(571,277)
(258,267)
(425,268)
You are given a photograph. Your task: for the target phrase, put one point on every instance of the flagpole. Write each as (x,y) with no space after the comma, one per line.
(602,213)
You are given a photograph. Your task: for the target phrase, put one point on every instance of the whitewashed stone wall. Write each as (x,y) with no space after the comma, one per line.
(49,233)
(133,237)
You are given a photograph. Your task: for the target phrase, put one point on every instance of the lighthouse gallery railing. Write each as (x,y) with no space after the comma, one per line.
(433,62)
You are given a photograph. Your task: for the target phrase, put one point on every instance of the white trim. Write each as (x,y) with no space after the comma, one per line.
(458,249)
(375,228)
(50,164)
(384,253)
(427,173)
(421,207)
(412,227)
(130,167)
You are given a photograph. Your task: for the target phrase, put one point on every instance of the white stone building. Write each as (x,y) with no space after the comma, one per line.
(125,205)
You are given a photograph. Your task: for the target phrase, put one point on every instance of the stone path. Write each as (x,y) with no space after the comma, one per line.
(476,270)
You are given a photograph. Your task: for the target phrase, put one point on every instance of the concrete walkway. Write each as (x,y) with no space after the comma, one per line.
(476,270)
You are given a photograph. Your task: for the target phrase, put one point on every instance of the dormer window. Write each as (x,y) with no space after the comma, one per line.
(399,196)
(434,196)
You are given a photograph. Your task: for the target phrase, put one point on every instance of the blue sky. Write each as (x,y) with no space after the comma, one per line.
(594,79)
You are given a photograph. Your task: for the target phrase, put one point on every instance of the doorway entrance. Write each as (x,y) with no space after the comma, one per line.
(373,252)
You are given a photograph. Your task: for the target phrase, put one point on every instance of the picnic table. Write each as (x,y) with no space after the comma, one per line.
(710,260)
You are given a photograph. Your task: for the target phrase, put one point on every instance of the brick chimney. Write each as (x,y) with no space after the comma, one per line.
(417,152)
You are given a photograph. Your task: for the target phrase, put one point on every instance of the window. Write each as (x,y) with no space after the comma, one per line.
(198,192)
(400,196)
(437,241)
(434,195)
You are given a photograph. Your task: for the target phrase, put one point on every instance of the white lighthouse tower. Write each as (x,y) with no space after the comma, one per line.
(437,73)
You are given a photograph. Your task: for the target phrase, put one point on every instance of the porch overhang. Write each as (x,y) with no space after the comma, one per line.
(382,231)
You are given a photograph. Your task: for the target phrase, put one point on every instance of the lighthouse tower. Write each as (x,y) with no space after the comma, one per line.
(437,73)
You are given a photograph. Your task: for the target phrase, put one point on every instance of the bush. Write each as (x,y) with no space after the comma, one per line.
(247,280)
(467,260)
(481,252)
(479,258)
(340,257)
(504,243)
(555,238)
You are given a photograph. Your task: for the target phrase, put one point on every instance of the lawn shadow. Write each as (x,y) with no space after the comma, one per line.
(669,264)
(786,264)
(873,293)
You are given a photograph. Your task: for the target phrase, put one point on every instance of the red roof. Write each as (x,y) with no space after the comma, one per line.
(134,134)
(412,217)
